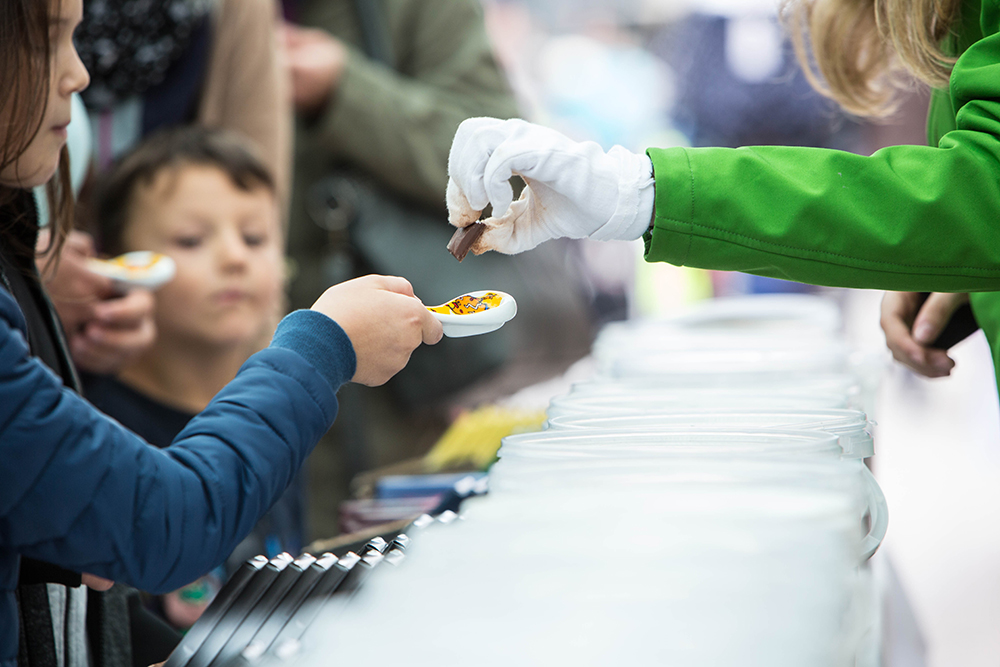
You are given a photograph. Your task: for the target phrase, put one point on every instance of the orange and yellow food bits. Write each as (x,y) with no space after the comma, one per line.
(468,304)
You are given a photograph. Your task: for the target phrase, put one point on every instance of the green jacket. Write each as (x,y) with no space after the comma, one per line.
(907,218)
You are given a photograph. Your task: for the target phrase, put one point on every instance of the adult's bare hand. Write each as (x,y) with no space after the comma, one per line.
(121,329)
(911,328)
(104,328)
(73,289)
(384,321)
(316,61)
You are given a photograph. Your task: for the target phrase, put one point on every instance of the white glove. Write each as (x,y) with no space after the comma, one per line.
(574,190)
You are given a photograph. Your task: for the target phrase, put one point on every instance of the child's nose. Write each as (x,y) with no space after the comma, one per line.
(74,76)
(234,255)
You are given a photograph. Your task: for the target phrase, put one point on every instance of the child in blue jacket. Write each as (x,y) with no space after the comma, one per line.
(78,490)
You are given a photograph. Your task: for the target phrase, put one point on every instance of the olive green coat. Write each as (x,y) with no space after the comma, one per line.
(394,124)
(398,124)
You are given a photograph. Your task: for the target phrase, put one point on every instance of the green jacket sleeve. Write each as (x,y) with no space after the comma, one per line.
(398,125)
(913,218)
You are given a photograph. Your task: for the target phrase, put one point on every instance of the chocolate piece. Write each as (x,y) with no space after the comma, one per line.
(463,238)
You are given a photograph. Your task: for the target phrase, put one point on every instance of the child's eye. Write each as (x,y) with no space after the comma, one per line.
(187,241)
(254,240)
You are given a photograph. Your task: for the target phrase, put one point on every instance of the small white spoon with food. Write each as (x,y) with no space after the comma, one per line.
(142,268)
(475,313)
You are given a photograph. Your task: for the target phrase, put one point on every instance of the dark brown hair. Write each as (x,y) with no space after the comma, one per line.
(170,149)
(25,69)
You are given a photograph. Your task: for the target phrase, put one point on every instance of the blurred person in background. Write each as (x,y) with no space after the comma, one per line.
(380,88)
(161,63)
(905,218)
(203,198)
(155,65)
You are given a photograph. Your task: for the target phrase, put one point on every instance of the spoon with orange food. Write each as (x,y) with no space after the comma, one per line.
(142,268)
(475,313)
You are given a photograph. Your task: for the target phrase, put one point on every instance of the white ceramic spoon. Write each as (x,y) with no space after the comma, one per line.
(142,268)
(488,311)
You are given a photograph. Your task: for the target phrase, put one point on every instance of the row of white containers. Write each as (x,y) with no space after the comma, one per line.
(702,501)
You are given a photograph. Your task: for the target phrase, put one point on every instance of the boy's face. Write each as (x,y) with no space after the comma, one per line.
(227,245)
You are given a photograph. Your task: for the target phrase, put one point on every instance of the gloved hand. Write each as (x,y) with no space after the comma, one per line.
(574,190)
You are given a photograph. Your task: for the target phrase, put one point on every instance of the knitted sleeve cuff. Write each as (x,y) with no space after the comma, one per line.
(321,342)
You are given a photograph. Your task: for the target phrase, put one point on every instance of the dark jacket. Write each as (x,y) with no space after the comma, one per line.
(46,592)
(80,491)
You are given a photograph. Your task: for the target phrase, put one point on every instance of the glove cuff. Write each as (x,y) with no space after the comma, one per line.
(636,198)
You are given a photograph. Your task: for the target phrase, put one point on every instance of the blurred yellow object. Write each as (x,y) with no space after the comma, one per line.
(474,438)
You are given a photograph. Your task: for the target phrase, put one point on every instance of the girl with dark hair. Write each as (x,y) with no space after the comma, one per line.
(80,492)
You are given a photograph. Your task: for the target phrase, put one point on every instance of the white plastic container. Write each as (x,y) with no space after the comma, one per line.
(526,475)
(712,577)
(847,384)
(668,401)
(715,365)
(760,317)
(850,426)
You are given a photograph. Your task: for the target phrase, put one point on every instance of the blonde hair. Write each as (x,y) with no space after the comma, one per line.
(860,53)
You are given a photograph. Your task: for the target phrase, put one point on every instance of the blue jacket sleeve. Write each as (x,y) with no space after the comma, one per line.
(81,491)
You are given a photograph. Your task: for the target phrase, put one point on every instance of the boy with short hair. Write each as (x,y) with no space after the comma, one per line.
(203,198)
